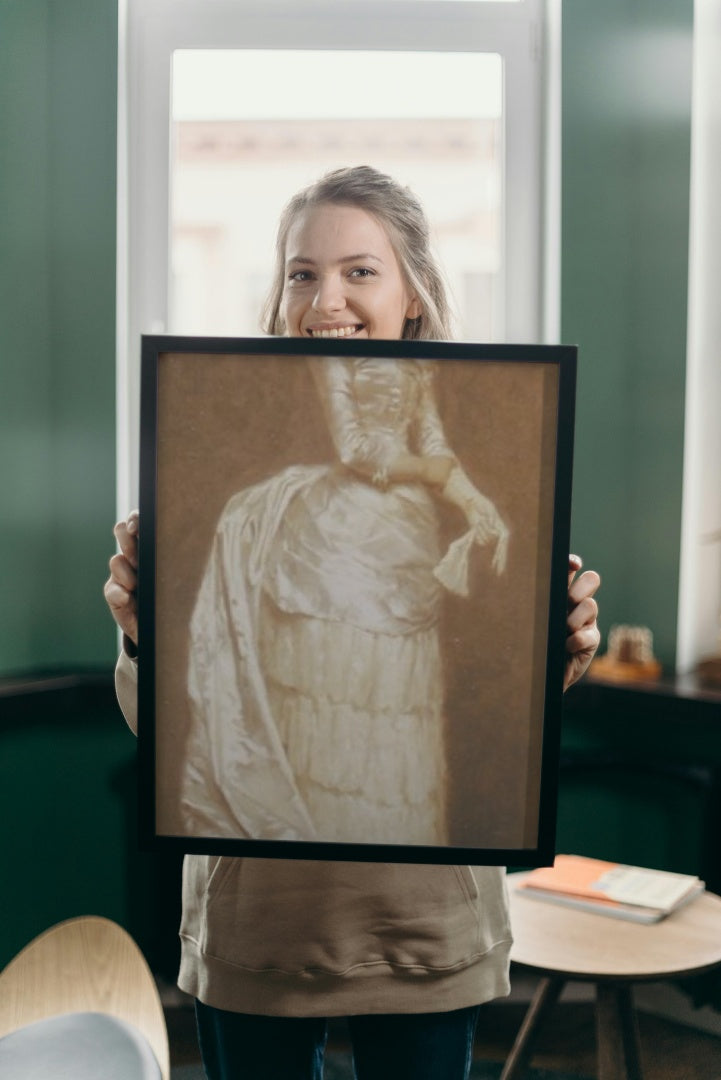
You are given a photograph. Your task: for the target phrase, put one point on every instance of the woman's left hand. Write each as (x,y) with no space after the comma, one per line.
(583,635)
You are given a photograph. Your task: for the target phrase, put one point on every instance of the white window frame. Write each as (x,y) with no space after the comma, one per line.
(526,34)
(699,598)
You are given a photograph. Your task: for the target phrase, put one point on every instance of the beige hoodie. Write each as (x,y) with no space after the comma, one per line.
(299,938)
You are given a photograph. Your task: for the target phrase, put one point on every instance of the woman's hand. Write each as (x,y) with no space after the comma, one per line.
(121,587)
(488,526)
(583,635)
(480,513)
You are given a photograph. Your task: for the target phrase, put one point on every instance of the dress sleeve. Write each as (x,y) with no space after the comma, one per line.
(359,448)
(429,434)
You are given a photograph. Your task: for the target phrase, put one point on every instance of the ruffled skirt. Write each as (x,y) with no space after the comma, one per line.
(360,715)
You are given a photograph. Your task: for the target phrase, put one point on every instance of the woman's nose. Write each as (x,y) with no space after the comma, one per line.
(329,296)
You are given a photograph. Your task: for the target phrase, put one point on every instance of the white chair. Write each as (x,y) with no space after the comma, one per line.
(80,1002)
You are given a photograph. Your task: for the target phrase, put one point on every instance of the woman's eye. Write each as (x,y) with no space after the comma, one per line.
(300,276)
(362,272)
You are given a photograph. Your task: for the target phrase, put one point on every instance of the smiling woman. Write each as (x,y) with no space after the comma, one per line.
(344,608)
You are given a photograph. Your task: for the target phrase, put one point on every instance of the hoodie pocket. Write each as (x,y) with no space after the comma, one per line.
(298,916)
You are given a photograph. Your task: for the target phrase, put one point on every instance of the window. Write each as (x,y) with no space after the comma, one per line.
(235,161)
(229,106)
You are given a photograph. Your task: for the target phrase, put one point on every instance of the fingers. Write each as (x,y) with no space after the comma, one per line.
(489,526)
(126,534)
(583,613)
(123,608)
(582,587)
(121,587)
(123,572)
(583,636)
(486,530)
(581,648)
(581,625)
(119,599)
(584,641)
(500,555)
(483,533)
(575,563)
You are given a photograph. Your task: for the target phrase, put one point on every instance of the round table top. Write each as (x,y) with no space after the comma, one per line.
(559,940)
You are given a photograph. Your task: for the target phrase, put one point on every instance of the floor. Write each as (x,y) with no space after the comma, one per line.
(670,1051)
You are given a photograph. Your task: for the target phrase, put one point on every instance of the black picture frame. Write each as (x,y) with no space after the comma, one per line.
(235,451)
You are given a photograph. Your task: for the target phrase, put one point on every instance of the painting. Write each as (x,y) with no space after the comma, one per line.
(352,597)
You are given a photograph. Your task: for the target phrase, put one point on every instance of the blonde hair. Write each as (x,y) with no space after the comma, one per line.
(403,217)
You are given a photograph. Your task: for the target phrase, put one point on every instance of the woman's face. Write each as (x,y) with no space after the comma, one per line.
(342,277)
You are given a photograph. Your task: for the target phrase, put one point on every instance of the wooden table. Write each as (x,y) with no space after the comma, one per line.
(563,944)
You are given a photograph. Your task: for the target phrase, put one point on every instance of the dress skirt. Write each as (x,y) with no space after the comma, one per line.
(350,653)
(359,714)
(315,678)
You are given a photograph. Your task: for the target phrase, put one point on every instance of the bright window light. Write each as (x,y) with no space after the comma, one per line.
(220,84)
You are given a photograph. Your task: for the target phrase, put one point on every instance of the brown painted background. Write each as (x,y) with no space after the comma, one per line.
(225,422)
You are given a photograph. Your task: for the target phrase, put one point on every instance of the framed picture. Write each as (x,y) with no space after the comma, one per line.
(352,597)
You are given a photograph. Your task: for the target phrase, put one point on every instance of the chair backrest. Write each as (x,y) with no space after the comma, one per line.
(88,964)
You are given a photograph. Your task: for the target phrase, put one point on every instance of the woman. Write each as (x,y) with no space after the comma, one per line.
(408,953)
(342,566)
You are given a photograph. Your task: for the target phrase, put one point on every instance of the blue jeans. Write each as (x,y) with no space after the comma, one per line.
(415,1046)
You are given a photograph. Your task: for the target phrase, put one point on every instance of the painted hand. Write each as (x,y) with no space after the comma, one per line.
(489,527)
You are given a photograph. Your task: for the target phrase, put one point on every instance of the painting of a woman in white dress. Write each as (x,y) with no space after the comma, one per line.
(315,673)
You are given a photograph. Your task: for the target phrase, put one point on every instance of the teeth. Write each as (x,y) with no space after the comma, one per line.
(335,332)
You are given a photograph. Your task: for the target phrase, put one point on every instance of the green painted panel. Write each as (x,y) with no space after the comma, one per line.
(649,791)
(82,273)
(64,786)
(68,784)
(58,75)
(26,398)
(626,161)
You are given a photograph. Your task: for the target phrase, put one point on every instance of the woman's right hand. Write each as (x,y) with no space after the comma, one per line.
(121,587)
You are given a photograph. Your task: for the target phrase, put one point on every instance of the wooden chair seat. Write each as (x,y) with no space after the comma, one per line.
(87,965)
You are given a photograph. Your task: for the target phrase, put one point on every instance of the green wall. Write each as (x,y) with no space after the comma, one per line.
(58,72)
(625,200)
(641,781)
(68,803)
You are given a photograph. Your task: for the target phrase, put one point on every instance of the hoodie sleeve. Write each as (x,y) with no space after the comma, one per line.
(126,688)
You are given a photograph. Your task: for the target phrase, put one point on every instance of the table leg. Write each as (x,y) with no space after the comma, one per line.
(545,997)
(617,1033)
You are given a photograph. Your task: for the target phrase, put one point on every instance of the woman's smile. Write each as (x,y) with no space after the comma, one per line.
(335,331)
